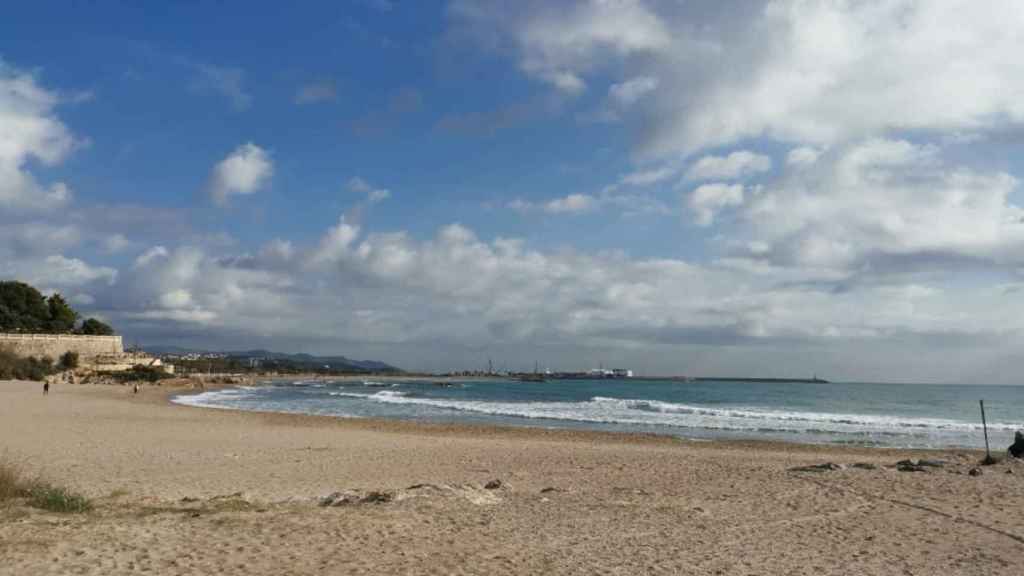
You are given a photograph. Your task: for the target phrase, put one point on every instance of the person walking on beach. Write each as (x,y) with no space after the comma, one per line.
(135,389)
(46,388)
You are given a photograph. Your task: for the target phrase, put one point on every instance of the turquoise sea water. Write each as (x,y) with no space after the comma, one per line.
(904,415)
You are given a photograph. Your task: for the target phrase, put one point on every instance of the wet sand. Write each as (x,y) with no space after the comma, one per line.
(182,490)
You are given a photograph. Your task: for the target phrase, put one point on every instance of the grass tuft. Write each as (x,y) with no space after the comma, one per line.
(39,493)
(10,481)
(57,499)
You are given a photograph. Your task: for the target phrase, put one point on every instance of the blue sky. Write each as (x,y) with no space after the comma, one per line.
(773,188)
(179,89)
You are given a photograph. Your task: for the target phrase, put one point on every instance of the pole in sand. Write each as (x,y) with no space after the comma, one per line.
(984,426)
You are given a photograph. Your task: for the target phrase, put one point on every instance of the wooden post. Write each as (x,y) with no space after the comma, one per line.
(984,426)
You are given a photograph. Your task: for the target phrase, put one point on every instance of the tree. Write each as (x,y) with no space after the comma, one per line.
(62,317)
(94,327)
(22,308)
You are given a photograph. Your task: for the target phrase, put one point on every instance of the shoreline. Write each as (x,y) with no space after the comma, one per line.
(562,433)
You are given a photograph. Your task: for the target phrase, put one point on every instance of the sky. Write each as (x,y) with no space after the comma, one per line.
(729,187)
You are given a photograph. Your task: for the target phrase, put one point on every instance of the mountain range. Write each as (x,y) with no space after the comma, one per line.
(336,362)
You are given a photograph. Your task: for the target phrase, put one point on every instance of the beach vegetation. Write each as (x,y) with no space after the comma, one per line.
(151,374)
(69,360)
(15,367)
(10,481)
(57,498)
(118,493)
(38,493)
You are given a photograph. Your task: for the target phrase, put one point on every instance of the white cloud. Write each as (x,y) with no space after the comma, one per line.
(34,239)
(566,82)
(648,177)
(188,285)
(456,291)
(707,200)
(828,72)
(788,70)
(179,298)
(335,244)
(72,271)
(880,199)
(558,43)
(373,194)
(244,171)
(115,243)
(277,250)
(630,204)
(573,203)
(462,289)
(736,165)
(150,255)
(57,270)
(627,93)
(29,130)
(802,156)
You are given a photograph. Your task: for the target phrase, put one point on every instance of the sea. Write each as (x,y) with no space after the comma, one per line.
(862,414)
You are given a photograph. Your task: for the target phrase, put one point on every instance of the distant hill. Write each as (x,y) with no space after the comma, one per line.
(305,360)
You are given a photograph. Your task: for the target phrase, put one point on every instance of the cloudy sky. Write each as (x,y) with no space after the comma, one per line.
(738,187)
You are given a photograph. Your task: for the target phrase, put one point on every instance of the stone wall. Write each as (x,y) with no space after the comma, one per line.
(54,345)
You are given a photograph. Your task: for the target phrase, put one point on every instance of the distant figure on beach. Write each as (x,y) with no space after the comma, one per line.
(1017,448)
(135,389)
(46,388)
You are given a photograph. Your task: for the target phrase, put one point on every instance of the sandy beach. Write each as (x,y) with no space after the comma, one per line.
(180,490)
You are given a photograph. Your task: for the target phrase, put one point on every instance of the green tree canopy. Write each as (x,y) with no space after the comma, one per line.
(62,316)
(94,327)
(24,309)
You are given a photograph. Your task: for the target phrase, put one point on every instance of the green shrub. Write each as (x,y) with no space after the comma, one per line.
(57,499)
(14,367)
(94,327)
(69,360)
(140,372)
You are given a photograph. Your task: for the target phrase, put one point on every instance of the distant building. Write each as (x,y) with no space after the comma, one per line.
(609,373)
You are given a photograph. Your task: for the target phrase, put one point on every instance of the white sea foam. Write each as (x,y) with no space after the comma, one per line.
(654,412)
(383,394)
(612,411)
(216,398)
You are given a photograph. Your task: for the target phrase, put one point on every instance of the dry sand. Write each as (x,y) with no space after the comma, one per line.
(620,504)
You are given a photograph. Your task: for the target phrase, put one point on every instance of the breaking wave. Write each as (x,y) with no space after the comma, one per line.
(419,402)
(605,410)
